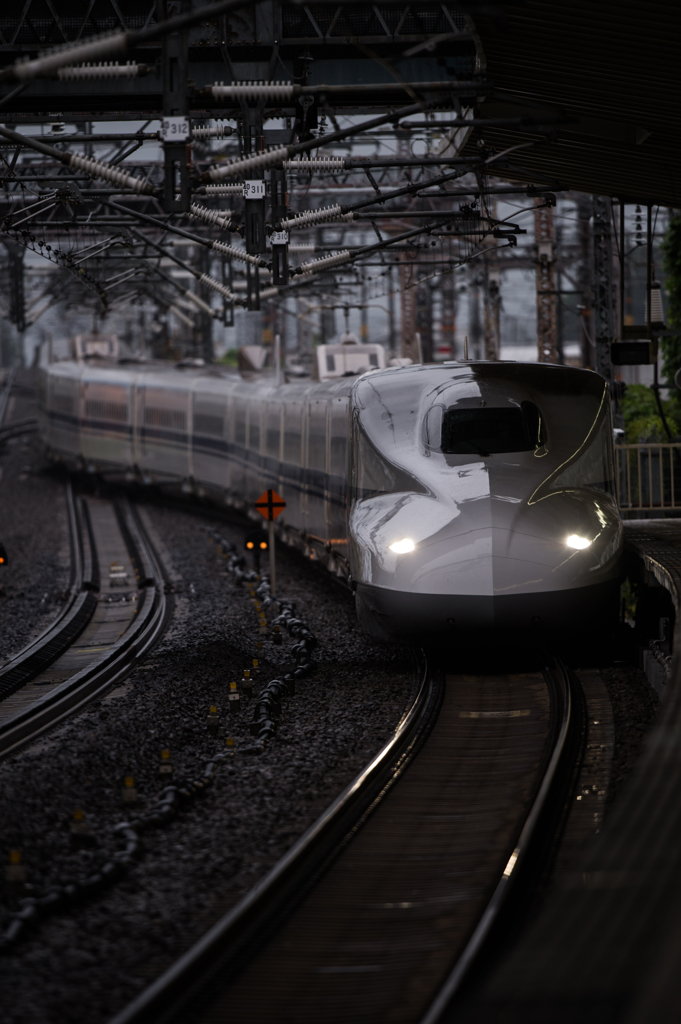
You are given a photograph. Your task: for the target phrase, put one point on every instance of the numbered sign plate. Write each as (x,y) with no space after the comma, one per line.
(254,190)
(279,238)
(175,129)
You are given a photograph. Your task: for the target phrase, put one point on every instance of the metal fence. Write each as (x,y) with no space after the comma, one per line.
(648,476)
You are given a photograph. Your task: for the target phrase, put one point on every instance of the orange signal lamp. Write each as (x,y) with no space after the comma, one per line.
(250,545)
(263,545)
(3,555)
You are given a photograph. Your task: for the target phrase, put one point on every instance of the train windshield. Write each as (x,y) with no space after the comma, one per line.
(491,431)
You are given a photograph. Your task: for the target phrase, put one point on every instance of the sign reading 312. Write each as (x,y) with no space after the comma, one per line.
(175,129)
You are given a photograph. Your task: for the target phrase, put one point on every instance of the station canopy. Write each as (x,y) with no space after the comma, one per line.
(611,69)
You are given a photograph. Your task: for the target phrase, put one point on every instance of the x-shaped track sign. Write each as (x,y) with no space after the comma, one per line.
(270,505)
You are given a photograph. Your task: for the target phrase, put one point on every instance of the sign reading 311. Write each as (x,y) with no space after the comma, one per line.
(254,190)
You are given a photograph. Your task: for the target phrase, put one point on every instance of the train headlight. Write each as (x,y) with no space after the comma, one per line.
(577,542)
(403,547)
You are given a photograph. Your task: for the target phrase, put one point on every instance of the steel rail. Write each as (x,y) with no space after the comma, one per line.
(80,605)
(74,693)
(15,429)
(6,392)
(232,940)
(560,769)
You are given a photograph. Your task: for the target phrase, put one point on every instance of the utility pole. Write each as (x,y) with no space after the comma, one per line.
(448,314)
(545,239)
(408,304)
(492,301)
(175,124)
(205,328)
(392,313)
(583,207)
(424,319)
(603,318)
(475,328)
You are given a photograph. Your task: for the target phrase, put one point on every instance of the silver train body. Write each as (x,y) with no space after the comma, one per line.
(449,496)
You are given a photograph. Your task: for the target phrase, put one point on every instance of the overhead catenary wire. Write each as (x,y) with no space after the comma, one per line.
(111,44)
(225,250)
(242,166)
(95,168)
(203,278)
(345,211)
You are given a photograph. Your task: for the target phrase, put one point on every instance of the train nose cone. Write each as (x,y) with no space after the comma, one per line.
(487,562)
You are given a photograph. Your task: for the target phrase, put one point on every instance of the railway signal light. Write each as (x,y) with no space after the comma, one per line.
(270,505)
(257,543)
(3,555)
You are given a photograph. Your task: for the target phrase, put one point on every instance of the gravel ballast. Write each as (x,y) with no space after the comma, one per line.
(33,529)
(86,962)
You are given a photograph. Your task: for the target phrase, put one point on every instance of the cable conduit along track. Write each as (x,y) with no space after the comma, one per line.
(224,950)
(122,624)
(376,936)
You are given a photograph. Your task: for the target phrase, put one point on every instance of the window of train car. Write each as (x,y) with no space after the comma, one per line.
(254,427)
(594,466)
(165,419)
(273,430)
(209,419)
(338,441)
(99,409)
(240,408)
(371,473)
(316,435)
(293,430)
(491,431)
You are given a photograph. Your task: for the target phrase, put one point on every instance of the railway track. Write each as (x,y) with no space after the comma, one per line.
(6,393)
(17,429)
(116,608)
(382,910)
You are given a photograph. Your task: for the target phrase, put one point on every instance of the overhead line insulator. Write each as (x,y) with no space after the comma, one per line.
(97,169)
(224,190)
(217,286)
(220,131)
(216,217)
(315,165)
(254,91)
(181,316)
(310,217)
(325,263)
(102,69)
(239,168)
(198,301)
(237,254)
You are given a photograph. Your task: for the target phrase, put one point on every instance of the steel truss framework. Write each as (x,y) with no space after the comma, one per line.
(297,101)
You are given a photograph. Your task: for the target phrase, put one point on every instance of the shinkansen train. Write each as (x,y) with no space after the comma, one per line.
(449,496)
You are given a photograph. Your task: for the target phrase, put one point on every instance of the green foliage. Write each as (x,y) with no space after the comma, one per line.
(641,418)
(230,358)
(671,347)
(628,601)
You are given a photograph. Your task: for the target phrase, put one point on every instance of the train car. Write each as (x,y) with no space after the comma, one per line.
(482,495)
(449,496)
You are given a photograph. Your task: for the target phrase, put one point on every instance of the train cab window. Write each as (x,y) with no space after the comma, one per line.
(486,431)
